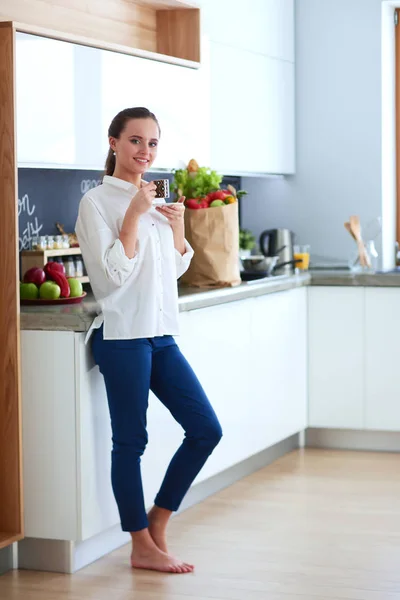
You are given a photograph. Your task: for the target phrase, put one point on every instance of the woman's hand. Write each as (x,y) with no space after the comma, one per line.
(142,201)
(174,212)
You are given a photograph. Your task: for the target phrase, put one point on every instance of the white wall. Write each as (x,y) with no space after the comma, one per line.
(338,120)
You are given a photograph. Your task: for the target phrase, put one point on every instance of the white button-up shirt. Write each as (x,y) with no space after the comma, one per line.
(138,296)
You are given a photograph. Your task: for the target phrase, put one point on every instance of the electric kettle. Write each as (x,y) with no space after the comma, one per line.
(279,242)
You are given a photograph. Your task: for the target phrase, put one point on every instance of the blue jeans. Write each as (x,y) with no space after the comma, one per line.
(131,368)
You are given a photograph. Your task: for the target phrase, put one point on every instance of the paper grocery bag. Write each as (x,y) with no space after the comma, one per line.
(214,235)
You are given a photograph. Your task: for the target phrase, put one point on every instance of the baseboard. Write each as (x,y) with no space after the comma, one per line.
(68,557)
(352,439)
(46,555)
(8,558)
(218,482)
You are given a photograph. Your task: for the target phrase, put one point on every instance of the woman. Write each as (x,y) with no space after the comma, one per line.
(134,253)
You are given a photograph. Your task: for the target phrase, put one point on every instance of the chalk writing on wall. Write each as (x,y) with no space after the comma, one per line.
(88,184)
(29,225)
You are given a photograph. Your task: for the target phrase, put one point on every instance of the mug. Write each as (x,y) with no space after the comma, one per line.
(162,188)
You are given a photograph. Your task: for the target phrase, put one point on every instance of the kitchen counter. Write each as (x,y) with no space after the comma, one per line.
(347,278)
(78,317)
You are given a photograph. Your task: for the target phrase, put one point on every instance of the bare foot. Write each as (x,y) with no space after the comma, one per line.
(157,530)
(156,560)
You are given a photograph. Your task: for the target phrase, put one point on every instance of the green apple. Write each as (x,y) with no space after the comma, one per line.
(75,286)
(28,291)
(49,290)
(217,203)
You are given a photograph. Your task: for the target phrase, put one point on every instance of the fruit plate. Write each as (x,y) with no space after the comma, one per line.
(40,301)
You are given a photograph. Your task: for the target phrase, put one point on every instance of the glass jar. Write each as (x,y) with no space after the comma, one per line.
(35,243)
(58,242)
(65,241)
(50,242)
(42,242)
(78,268)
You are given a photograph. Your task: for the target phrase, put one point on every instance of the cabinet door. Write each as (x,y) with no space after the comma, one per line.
(216,341)
(45,100)
(279,366)
(97,507)
(252,112)
(178,96)
(49,435)
(265,27)
(336,340)
(382,348)
(68,94)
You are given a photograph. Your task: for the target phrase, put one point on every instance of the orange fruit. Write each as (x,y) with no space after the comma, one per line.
(230,200)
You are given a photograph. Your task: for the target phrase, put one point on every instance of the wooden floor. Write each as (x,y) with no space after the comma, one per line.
(315,525)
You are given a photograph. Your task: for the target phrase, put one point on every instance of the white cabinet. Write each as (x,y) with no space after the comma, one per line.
(49,439)
(382,325)
(45,98)
(250,357)
(336,340)
(216,341)
(252,112)
(262,26)
(278,367)
(68,94)
(178,96)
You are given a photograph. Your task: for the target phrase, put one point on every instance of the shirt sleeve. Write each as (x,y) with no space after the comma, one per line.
(183,260)
(100,249)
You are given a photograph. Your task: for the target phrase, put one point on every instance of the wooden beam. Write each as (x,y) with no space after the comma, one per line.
(397,60)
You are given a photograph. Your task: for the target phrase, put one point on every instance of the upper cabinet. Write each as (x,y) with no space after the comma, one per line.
(252,112)
(235,112)
(262,26)
(45,86)
(252,85)
(67,95)
(178,96)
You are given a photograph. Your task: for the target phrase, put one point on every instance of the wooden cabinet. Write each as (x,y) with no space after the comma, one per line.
(382,381)
(167,31)
(336,338)
(11,508)
(252,112)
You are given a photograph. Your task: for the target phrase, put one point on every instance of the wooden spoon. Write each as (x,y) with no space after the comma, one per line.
(356,229)
(348,227)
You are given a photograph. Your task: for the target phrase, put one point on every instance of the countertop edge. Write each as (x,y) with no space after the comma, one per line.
(79,318)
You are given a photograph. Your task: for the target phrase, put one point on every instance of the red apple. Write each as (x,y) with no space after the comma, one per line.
(35,275)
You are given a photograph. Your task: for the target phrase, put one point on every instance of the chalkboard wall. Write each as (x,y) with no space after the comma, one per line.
(47,196)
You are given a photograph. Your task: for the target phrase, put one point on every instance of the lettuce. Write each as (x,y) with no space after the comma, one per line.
(195,184)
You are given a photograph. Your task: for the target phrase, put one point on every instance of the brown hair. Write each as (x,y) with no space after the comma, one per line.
(118,125)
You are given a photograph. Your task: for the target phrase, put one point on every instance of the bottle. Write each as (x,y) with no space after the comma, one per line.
(70,268)
(78,268)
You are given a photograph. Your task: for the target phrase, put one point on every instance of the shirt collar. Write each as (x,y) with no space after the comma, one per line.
(120,183)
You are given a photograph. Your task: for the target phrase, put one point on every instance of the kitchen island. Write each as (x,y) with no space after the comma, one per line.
(248,346)
(312,352)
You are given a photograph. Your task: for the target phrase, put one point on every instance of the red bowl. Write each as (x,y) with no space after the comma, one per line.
(74,300)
